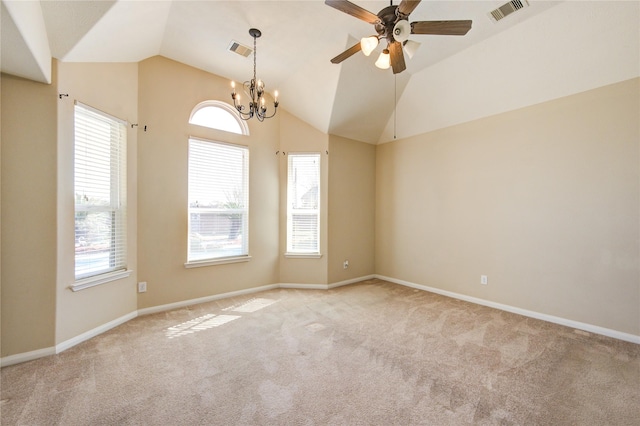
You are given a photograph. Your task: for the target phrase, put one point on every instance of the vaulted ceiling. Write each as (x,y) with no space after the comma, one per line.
(541,52)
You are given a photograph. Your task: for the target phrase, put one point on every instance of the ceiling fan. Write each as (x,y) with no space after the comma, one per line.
(392,24)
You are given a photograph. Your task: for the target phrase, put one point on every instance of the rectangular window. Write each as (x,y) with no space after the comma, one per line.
(218,201)
(100,193)
(303,204)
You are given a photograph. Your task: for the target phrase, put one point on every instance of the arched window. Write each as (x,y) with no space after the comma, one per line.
(218,115)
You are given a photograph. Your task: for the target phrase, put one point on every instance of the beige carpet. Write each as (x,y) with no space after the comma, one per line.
(372,353)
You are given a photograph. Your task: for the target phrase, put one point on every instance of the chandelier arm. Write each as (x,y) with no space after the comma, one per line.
(275,109)
(243,115)
(248,89)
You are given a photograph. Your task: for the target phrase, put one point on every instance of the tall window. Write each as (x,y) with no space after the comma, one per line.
(218,200)
(303,204)
(100,193)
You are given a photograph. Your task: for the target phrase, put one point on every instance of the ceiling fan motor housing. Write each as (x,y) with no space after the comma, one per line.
(388,18)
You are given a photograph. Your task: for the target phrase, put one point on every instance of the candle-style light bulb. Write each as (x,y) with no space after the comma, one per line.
(233,86)
(275,95)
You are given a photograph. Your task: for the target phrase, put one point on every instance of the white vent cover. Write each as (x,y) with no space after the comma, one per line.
(507,9)
(240,49)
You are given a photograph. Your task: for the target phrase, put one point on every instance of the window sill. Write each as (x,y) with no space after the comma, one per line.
(99,279)
(303,255)
(211,262)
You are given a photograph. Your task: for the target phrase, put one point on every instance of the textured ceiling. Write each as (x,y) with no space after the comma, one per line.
(547,50)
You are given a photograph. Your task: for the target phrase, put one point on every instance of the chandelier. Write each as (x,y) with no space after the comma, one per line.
(255,90)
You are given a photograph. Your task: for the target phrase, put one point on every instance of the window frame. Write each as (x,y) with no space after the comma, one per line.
(229,109)
(116,157)
(244,256)
(290,251)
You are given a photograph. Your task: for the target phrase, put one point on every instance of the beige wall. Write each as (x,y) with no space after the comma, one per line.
(544,200)
(28,215)
(168,92)
(113,89)
(298,136)
(352,178)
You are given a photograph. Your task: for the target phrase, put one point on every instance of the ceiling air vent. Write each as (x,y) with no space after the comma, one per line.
(240,49)
(507,9)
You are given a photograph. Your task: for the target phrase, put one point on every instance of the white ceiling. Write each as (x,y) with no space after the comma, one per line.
(547,50)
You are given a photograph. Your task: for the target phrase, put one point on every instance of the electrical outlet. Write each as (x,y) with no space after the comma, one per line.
(484,280)
(142,287)
(345,265)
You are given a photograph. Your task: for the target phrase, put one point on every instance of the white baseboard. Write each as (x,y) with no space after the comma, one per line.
(301,286)
(29,356)
(628,337)
(190,302)
(351,281)
(60,347)
(26,356)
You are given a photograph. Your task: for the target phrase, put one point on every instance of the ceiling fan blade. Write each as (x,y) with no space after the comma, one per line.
(407,6)
(353,10)
(397,57)
(441,27)
(344,55)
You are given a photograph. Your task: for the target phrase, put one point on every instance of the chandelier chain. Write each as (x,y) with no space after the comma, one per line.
(255,53)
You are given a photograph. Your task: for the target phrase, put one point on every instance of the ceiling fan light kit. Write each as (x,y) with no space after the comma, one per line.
(410,47)
(368,44)
(254,90)
(401,30)
(392,24)
(384,60)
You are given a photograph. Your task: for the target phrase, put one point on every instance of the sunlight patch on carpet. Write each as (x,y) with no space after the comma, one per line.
(204,322)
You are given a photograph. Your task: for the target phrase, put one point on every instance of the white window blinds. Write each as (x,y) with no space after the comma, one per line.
(100,193)
(218,200)
(303,203)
